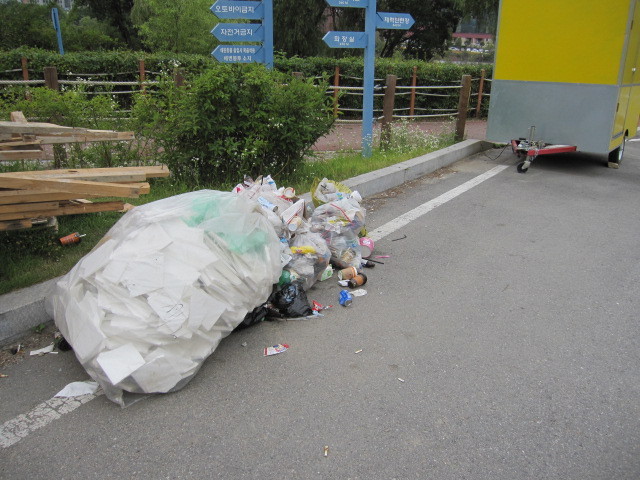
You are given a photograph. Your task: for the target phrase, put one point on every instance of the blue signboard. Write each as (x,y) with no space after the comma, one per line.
(232,9)
(239,32)
(366,40)
(239,53)
(244,32)
(399,21)
(56,25)
(349,3)
(345,39)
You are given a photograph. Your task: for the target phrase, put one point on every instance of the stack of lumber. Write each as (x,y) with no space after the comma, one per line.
(22,140)
(28,197)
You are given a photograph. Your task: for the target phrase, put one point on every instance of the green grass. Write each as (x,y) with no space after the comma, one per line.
(31,256)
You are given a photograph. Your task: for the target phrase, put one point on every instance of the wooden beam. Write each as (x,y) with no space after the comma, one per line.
(80,187)
(18,117)
(18,143)
(29,207)
(65,210)
(13,155)
(40,128)
(26,196)
(96,174)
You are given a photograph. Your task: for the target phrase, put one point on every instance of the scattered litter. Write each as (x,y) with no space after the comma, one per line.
(361,292)
(328,273)
(244,344)
(42,351)
(292,301)
(358,351)
(343,283)
(76,389)
(357,281)
(17,349)
(382,256)
(401,238)
(276,349)
(2,375)
(347,273)
(345,298)
(72,238)
(368,263)
(401,379)
(318,307)
(366,244)
(326,450)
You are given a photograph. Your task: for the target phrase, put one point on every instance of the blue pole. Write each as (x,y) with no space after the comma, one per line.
(56,26)
(268,33)
(369,71)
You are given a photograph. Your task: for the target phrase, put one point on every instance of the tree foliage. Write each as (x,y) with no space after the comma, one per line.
(118,14)
(434,22)
(176,26)
(297,26)
(29,25)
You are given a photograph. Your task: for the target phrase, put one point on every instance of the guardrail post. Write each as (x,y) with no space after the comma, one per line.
(25,70)
(178,77)
(336,83)
(51,78)
(141,73)
(463,105)
(412,100)
(480,89)
(387,110)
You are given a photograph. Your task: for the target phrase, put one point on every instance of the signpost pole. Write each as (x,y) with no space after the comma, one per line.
(369,78)
(267,44)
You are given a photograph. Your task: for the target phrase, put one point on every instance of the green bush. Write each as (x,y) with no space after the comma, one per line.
(234,120)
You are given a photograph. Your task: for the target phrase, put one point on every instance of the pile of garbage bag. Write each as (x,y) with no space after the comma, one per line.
(153,299)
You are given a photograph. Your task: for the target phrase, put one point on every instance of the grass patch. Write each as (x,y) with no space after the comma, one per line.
(31,256)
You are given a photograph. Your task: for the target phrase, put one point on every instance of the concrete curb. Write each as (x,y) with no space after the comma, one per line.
(22,310)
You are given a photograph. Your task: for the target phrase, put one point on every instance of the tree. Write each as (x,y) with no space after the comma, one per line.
(177,26)
(485,11)
(118,14)
(296,28)
(434,22)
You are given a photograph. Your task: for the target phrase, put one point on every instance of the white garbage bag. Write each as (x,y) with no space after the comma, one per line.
(152,301)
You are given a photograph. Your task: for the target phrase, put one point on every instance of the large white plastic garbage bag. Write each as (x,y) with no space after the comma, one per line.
(145,307)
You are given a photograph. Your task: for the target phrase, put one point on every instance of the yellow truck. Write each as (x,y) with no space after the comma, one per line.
(566,77)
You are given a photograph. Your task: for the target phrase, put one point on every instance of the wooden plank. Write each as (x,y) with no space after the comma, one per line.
(97,174)
(40,128)
(88,137)
(19,143)
(25,196)
(65,210)
(80,187)
(29,207)
(14,225)
(13,155)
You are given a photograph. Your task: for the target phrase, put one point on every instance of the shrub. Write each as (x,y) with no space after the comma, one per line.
(232,120)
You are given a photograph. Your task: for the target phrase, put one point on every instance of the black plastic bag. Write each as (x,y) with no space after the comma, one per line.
(292,301)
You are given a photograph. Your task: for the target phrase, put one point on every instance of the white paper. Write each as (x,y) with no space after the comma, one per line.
(42,351)
(76,389)
(118,364)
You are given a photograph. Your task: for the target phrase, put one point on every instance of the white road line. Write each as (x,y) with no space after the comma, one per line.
(411,215)
(14,430)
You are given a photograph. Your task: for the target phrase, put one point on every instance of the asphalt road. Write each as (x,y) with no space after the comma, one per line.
(510,313)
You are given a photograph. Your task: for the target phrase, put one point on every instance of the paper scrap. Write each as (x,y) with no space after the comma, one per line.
(358,351)
(359,293)
(276,349)
(118,364)
(343,283)
(75,389)
(401,379)
(42,351)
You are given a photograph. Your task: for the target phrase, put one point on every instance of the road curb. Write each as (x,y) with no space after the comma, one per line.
(22,310)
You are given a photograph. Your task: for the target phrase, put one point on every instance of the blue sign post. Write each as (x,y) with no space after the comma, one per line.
(56,25)
(366,40)
(244,32)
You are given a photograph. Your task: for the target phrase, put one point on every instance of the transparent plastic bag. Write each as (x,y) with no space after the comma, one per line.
(310,257)
(152,301)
